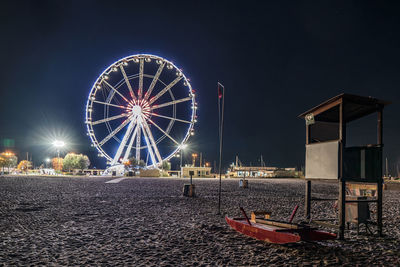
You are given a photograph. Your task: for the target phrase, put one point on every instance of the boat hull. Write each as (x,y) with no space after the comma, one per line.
(277,235)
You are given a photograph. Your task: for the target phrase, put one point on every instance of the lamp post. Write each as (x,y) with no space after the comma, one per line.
(183,147)
(58,144)
(194,156)
(47,162)
(221,98)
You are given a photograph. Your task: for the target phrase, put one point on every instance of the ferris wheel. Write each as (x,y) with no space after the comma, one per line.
(141,106)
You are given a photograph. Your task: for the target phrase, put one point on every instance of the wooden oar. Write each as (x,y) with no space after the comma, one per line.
(245,215)
(278,224)
(293,213)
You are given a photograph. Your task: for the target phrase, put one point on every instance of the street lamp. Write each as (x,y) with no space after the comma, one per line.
(194,156)
(47,162)
(58,144)
(183,147)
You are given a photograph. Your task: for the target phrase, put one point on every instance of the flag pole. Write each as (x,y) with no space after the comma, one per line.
(221,97)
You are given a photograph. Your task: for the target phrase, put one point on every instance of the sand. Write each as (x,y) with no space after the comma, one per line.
(147,222)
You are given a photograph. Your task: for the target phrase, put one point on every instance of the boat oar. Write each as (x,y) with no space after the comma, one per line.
(245,215)
(293,213)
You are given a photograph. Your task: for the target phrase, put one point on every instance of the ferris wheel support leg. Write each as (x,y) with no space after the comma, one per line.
(146,128)
(128,150)
(123,142)
(149,148)
(138,142)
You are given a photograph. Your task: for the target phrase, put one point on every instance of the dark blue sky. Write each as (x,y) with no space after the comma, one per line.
(276,59)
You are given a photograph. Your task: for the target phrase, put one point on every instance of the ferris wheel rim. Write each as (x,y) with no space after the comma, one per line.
(145,94)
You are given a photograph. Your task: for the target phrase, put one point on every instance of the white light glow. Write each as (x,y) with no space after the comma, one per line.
(58,143)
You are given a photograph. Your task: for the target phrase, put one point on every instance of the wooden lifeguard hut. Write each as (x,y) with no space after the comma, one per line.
(328,157)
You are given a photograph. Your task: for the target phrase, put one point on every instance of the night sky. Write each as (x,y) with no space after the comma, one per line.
(276,59)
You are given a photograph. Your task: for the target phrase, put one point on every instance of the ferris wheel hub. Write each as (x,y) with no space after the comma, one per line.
(136,110)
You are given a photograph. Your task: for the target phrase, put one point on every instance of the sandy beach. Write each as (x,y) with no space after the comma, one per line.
(147,222)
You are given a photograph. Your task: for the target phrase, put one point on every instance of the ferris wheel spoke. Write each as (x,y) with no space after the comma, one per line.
(128,150)
(127,82)
(154,81)
(109,104)
(171,103)
(114,132)
(164,132)
(147,158)
(141,67)
(170,118)
(123,142)
(149,148)
(147,128)
(110,119)
(166,88)
(116,91)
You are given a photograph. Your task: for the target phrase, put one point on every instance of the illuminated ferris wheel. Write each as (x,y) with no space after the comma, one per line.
(141,106)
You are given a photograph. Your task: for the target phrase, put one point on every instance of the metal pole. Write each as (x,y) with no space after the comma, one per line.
(379,184)
(181,162)
(221,127)
(58,158)
(342,208)
(307,209)
(342,182)
(387,171)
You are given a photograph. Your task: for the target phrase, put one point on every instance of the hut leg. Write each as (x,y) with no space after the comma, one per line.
(307,207)
(342,208)
(379,208)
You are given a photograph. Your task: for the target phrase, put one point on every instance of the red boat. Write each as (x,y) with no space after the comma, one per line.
(276,231)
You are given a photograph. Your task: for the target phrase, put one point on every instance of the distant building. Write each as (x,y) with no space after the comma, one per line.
(262,172)
(197,171)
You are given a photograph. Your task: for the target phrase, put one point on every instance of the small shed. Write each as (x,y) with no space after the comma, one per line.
(328,157)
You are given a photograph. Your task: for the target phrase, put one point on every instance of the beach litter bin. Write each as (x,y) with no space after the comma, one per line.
(243,183)
(188,190)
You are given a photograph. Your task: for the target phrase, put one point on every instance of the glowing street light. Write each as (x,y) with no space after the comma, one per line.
(8,154)
(183,147)
(58,143)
